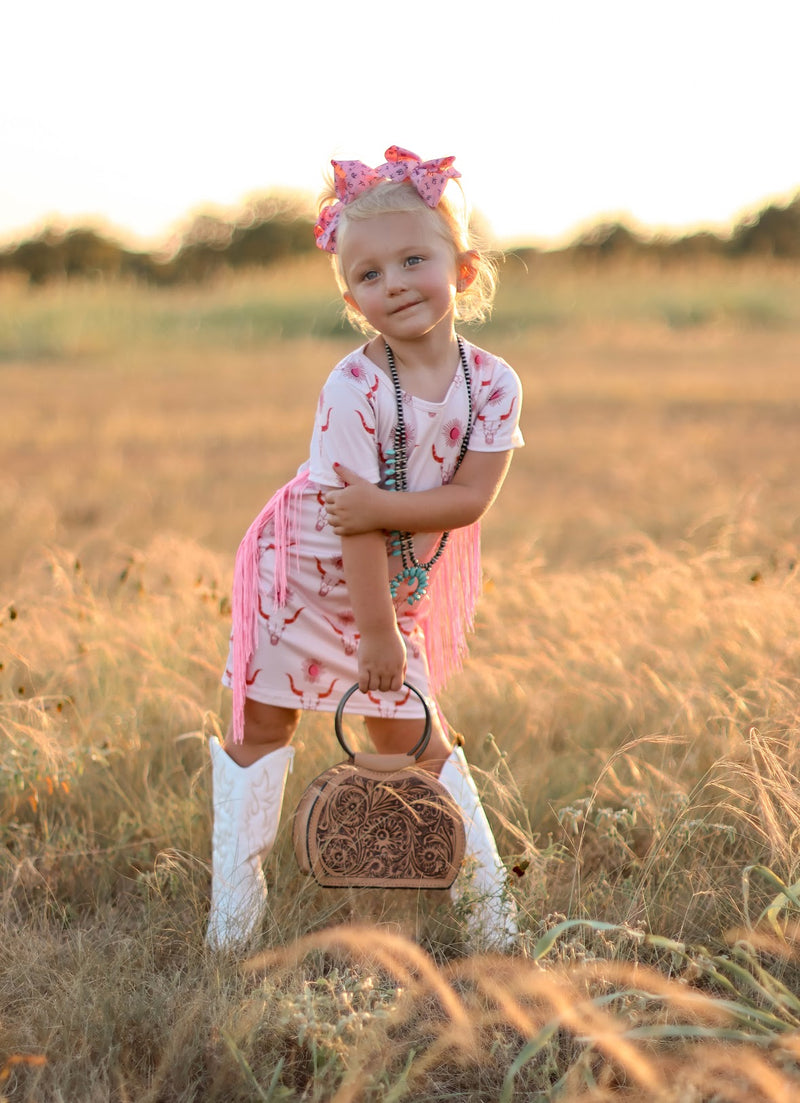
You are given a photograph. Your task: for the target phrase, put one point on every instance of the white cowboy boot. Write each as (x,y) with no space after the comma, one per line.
(482,885)
(247,809)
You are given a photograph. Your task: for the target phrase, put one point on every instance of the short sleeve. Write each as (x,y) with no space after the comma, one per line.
(497,399)
(345,424)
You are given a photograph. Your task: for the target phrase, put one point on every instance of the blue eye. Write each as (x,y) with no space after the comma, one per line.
(411,261)
(370,275)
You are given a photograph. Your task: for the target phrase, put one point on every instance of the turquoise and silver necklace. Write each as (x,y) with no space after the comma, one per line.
(415,573)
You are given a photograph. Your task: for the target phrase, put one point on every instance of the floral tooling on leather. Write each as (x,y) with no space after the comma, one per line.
(370,829)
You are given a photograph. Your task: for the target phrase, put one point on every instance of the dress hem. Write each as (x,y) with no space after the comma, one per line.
(388,709)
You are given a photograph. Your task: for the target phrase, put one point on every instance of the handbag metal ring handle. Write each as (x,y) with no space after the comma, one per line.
(419,747)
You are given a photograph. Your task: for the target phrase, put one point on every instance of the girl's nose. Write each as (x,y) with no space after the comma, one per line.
(396,280)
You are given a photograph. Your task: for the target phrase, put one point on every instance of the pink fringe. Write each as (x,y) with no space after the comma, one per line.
(454,590)
(284,508)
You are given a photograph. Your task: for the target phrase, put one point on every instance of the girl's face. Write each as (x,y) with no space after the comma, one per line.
(401,274)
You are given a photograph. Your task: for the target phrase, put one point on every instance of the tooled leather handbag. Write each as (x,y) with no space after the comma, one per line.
(379,821)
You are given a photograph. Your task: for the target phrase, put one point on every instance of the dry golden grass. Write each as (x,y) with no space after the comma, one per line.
(631,701)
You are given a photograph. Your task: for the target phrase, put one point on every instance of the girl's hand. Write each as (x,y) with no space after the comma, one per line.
(381,661)
(352,509)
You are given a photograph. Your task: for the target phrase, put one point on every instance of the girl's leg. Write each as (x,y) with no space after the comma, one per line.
(481,888)
(248,782)
(399,736)
(266,728)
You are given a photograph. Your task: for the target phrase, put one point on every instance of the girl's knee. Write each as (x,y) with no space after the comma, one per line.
(266,728)
(400,736)
(269,723)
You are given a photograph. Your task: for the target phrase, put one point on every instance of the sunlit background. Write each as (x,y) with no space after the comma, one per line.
(133,117)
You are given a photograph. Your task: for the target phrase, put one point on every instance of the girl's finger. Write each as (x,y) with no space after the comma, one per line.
(347,475)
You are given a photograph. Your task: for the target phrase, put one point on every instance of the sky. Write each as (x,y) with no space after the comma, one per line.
(561,113)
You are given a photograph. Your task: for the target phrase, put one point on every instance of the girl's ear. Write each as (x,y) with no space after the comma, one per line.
(351,302)
(467,270)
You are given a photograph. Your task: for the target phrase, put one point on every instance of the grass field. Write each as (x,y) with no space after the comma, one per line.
(631,704)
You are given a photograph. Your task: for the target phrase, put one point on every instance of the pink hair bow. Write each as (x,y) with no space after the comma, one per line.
(351,178)
(428,177)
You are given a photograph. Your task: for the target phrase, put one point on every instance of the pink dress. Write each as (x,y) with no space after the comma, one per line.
(293,627)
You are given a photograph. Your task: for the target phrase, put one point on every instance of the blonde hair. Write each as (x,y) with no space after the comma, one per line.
(447,218)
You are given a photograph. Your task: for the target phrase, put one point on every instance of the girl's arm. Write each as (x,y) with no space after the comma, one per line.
(363,507)
(381,651)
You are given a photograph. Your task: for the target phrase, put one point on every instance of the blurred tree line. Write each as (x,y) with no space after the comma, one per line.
(274,227)
(268,229)
(770,233)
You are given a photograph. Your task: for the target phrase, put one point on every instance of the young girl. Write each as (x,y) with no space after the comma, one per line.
(413,434)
